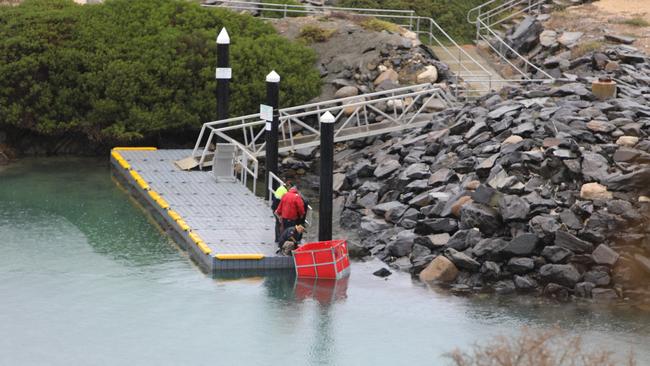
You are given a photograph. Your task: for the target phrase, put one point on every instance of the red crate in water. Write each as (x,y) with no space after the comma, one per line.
(323,259)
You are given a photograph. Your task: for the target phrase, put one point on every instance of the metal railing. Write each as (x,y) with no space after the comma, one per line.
(424,27)
(494,12)
(299,126)
(246,164)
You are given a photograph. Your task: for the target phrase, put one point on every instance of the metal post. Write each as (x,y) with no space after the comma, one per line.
(223,74)
(326,176)
(273,100)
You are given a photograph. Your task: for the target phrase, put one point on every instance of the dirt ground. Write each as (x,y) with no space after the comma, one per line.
(607,16)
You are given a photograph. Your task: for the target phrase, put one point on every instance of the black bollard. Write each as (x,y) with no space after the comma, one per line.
(273,101)
(326,174)
(223,74)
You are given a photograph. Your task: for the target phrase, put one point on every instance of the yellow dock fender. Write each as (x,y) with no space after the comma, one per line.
(159,200)
(145,148)
(254,256)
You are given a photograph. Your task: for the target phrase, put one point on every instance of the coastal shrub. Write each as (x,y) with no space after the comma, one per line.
(312,33)
(586,47)
(130,69)
(378,25)
(451,15)
(552,347)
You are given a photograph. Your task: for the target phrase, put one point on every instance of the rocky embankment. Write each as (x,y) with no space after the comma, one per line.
(535,189)
(355,60)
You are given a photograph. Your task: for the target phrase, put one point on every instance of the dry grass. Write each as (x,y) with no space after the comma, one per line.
(312,33)
(634,22)
(544,348)
(585,47)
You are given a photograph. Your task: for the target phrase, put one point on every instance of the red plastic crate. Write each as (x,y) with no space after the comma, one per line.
(323,259)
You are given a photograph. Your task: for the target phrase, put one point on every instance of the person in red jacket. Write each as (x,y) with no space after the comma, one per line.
(291,208)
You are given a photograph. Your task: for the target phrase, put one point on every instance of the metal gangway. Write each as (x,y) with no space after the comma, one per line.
(357,117)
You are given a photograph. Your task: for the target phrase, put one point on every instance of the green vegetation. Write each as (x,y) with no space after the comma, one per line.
(131,69)
(634,22)
(451,15)
(377,25)
(312,33)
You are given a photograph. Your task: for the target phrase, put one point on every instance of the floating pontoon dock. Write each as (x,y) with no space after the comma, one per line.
(222,225)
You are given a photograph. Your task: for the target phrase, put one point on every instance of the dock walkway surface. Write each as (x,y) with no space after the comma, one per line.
(223,225)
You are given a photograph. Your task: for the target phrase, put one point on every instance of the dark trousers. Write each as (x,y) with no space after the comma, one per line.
(278,229)
(284,226)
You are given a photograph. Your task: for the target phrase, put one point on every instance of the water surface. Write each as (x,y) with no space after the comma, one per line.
(86,278)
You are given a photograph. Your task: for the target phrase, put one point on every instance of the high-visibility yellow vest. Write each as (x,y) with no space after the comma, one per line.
(281,191)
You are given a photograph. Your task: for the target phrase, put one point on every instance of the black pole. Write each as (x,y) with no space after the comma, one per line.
(223,74)
(272,100)
(326,174)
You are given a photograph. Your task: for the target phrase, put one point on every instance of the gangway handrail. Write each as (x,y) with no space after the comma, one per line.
(412,22)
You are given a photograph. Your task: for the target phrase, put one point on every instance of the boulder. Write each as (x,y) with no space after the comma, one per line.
(605,255)
(628,141)
(462,260)
(594,191)
(524,283)
(568,241)
(436,225)
(486,219)
(490,270)
(583,289)
(562,274)
(569,39)
(520,265)
(402,245)
(513,207)
(598,278)
(382,272)
(595,166)
(346,91)
(382,208)
(389,74)
(429,75)
(440,269)
(555,254)
(339,182)
(548,38)
(464,239)
(522,245)
(370,225)
(490,249)
(386,168)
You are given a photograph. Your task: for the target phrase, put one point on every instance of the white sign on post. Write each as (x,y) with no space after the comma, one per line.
(266,112)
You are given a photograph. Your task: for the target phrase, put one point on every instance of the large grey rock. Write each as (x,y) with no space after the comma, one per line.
(464,239)
(563,274)
(524,283)
(522,245)
(555,254)
(598,278)
(520,265)
(605,255)
(417,171)
(386,168)
(603,294)
(569,39)
(462,260)
(499,112)
(382,208)
(513,207)
(525,35)
(490,270)
(595,166)
(544,227)
(346,91)
(434,226)
(369,225)
(403,243)
(572,243)
(486,219)
(490,249)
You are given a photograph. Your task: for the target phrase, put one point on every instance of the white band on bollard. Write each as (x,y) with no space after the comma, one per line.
(224,73)
(268,126)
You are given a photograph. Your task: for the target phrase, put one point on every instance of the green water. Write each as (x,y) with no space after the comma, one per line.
(86,279)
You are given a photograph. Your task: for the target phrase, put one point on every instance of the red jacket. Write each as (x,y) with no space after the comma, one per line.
(291,206)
